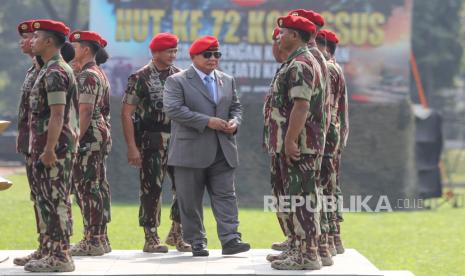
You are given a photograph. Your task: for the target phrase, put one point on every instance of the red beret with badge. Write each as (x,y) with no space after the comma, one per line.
(163,41)
(50,25)
(78,36)
(25,27)
(314,17)
(328,36)
(296,23)
(276,32)
(203,43)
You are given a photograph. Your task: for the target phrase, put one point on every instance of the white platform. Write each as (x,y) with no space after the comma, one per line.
(135,262)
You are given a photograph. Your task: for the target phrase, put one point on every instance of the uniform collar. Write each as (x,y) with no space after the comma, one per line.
(56,57)
(296,53)
(88,65)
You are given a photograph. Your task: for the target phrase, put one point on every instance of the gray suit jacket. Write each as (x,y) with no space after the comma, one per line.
(188,104)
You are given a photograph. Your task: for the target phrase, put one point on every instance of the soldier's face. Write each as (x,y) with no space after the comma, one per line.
(40,42)
(78,51)
(166,57)
(287,39)
(25,43)
(279,55)
(206,64)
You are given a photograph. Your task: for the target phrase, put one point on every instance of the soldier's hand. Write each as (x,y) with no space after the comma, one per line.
(292,151)
(48,158)
(217,124)
(231,127)
(134,157)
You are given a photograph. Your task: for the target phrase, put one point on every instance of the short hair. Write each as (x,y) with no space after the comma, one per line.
(331,47)
(304,36)
(58,38)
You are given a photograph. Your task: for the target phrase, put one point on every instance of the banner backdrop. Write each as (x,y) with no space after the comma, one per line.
(374,47)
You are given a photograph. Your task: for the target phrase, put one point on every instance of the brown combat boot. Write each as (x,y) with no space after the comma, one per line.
(152,242)
(174,238)
(58,260)
(281,256)
(88,246)
(338,244)
(332,247)
(106,243)
(299,261)
(323,250)
(281,246)
(41,252)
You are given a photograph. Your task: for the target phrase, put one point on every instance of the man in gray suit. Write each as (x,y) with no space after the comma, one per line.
(205,112)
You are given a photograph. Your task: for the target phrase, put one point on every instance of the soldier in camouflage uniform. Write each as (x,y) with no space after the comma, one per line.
(296,142)
(144,98)
(22,142)
(89,176)
(336,139)
(283,217)
(54,132)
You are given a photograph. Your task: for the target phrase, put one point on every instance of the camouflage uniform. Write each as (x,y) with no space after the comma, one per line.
(342,115)
(22,146)
(300,78)
(55,84)
(145,89)
(91,185)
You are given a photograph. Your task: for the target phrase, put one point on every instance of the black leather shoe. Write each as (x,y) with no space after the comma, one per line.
(199,250)
(235,246)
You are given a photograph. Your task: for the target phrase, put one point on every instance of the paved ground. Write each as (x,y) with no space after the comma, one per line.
(134,262)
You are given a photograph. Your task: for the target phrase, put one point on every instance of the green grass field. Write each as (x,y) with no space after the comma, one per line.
(424,242)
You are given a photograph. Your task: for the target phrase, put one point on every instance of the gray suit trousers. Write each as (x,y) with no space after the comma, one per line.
(218,178)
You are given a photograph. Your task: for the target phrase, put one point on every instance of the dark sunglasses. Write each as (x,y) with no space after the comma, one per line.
(209,54)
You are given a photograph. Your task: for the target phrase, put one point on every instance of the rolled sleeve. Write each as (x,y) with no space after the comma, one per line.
(87,98)
(56,97)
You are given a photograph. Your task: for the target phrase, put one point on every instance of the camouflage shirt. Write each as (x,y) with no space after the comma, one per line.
(300,78)
(22,142)
(94,88)
(145,89)
(342,106)
(267,112)
(55,84)
(325,79)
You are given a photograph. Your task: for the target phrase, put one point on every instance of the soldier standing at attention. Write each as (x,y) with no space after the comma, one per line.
(336,138)
(89,176)
(144,98)
(297,135)
(22,142)
(54,129)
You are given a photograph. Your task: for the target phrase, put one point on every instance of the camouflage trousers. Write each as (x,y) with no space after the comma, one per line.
(338,193)
(328,186)
(40,222)
(299,222)
(52,187)
(92,191)
(152,174)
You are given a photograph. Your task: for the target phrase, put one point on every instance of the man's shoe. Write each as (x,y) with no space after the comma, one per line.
(338,244)
(200,250)
(332,247)
(235,246)
(280,246)
(21,261)
(50,264)
(88,247)
(152,245)
(281,256)
(297,261)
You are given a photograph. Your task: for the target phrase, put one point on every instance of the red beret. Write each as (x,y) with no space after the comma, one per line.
(328,36)
(276,32)
(202,44)
(25,27)
(314,17)
(163,41)
(296,23)
(50,25)
(77,36)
